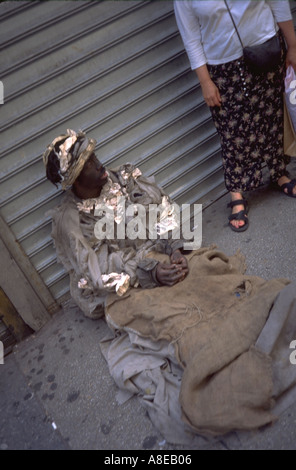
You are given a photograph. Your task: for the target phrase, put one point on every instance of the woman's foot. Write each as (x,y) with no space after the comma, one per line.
(238,221)
(287,186)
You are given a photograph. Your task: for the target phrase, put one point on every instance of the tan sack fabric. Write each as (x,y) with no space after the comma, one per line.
(213,318)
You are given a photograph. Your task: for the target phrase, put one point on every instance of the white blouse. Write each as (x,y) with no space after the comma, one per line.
(208,33)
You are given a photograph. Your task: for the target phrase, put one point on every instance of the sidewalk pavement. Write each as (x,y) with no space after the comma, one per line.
(55,388)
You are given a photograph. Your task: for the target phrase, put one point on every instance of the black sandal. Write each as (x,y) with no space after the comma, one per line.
(241,216)
(289,186)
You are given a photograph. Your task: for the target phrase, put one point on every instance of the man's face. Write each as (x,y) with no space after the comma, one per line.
(93,174)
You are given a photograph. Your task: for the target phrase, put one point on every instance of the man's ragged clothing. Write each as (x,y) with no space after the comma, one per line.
(90,260)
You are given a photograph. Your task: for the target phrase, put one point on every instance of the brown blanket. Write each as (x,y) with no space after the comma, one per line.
(214,318)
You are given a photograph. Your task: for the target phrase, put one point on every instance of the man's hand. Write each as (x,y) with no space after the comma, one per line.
(170,274)
(180,260)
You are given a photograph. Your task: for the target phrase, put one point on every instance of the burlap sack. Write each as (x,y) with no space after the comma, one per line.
(213,318)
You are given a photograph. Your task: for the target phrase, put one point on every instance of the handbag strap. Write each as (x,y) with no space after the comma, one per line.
(233,23)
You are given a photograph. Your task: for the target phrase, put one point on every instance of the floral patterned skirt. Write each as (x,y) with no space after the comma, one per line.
(250,123)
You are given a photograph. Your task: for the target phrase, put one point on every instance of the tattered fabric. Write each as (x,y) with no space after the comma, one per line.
(213,319)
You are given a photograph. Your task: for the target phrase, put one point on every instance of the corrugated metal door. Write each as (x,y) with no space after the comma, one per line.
(117,70)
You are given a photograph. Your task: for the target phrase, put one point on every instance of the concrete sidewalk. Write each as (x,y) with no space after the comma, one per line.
(55,388)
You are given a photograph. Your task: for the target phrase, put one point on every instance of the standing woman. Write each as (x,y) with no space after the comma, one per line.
(247,107)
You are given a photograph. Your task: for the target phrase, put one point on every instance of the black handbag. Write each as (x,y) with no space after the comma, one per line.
(261,58)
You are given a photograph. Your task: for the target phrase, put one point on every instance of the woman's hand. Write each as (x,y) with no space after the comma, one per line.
(211,93)
(288,31)
(209,90)
(291,56)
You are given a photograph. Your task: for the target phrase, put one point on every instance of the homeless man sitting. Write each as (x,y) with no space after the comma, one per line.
(71,160)
(227,333)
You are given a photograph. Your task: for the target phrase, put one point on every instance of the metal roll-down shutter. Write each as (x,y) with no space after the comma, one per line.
(116,69)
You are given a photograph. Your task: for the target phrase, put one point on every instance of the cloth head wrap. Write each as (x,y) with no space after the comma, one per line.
(72,150)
